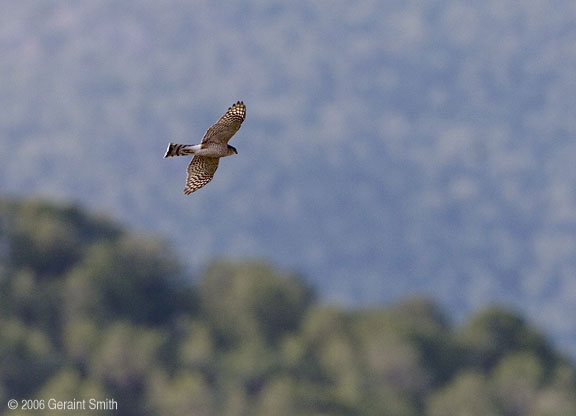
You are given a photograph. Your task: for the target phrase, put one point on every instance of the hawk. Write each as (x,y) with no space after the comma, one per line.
(214,145)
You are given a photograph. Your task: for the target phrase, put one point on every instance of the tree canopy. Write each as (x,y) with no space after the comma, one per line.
(89,309)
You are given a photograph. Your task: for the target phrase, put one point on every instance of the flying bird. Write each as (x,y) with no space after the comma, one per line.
(214,145)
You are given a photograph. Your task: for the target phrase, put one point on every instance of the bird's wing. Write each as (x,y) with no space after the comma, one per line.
(200,171)
(229,123)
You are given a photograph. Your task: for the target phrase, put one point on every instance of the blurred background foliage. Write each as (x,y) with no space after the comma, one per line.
(89,309)
(432,140)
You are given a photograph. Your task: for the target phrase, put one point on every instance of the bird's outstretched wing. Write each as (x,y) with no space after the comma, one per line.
(229,123)
(200,172)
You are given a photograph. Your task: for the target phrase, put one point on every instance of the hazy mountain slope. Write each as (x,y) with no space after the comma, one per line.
(389,147)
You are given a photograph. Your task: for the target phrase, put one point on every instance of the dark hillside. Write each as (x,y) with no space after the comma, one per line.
(95,312)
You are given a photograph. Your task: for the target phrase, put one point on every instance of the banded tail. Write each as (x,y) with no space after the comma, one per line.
(175,149)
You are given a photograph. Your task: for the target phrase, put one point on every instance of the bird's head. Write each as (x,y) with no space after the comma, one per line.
(232,149)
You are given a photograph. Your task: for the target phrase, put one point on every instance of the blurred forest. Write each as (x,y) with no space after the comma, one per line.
(430,140)
(89,309)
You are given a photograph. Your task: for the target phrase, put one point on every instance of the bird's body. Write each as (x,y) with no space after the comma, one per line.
(214,145)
